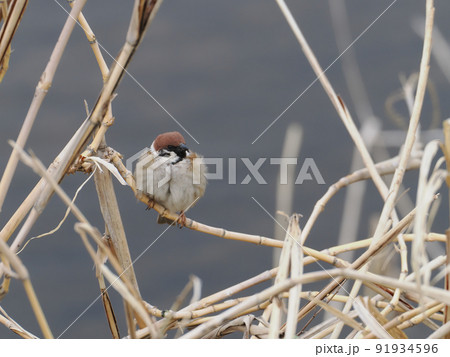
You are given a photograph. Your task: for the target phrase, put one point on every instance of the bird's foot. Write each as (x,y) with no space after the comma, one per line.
(150,204)
(181,221)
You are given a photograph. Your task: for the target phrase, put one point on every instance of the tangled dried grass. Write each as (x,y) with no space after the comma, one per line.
(386,308)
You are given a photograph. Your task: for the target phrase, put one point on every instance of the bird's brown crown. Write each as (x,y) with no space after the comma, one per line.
(163,140)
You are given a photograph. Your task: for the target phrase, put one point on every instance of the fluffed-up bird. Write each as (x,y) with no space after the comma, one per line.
(171,174)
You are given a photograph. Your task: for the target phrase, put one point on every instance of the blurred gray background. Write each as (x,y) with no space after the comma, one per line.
(225,70)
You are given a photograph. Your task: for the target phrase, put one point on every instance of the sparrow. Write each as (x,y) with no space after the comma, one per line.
(172,175)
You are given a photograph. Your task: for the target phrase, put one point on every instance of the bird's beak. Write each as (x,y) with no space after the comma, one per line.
(183,147)
(181,150)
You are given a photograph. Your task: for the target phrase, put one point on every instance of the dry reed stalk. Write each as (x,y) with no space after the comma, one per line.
(5,270)
(142,15)
(388,208)
(362,260)
(446,151)
(332,273)
(93,43)
(408,89)
(383,168)
(430,292)
(447,280)
(85,226)
(324,328)
(434,293)
(406,316)
(124,287)
(113,222)
(109,206)
(422,317)
(6,320)
(180,315)
(364,243)
(284,194)
(183,314)
(42,89)
(193,314)
(370,124)
(116,159)
(257,299)
(373,320)
(232,290)
(426,192)
(109,311)
(388,196)
(22,272)
(291,237)
(119,283)
(441,332)
(193,284)
(413,124)
(238,316)
(297,261)
(12,13)
(337,102)
(108,119)
(240,324)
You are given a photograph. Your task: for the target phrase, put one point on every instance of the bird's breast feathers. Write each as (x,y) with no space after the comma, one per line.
(174,183)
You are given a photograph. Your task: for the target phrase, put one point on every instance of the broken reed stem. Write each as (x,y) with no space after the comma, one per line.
(113,221)
(42,89)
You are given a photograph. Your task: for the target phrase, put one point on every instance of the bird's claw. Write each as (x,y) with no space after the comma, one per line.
(181,220)
(150,204)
